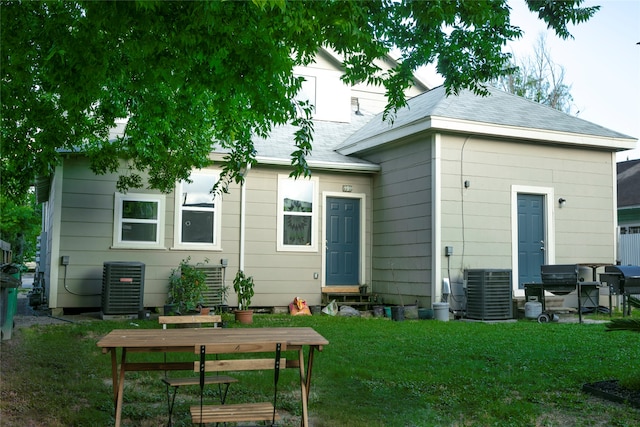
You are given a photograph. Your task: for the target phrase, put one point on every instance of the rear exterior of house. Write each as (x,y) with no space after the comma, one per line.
(497,183)
(87,231)
(295,237)
(456,183)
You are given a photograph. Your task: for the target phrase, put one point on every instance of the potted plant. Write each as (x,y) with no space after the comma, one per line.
(187,285)
(243,287)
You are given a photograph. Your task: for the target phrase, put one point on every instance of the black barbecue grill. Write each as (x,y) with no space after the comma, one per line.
(623,280)
(558,279)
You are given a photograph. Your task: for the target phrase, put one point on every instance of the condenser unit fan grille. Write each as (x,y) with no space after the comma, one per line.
(122,287)
(214,280)
(489,294)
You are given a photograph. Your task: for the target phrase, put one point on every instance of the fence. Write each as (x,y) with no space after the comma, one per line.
(629,249)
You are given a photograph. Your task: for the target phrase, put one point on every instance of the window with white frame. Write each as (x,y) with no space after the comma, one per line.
(138,220)
(307,92)
(297,214)
(198,212)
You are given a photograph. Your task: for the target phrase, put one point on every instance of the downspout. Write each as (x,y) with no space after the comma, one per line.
(242,223)
(243,205)
(436,220)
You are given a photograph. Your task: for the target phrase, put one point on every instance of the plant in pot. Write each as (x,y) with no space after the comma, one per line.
(187,285)
(243,287)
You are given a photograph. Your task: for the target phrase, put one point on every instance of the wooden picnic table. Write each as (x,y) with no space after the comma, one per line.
(184,340)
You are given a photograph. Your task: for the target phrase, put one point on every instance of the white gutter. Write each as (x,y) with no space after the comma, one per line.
(344,167)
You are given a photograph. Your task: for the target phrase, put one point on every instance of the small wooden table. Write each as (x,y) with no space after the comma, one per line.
(184,340)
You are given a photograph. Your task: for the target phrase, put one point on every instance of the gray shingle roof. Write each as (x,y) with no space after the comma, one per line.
(499,108)
(326,137)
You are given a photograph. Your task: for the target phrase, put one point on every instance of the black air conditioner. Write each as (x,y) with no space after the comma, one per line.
(122,287)
(489,294)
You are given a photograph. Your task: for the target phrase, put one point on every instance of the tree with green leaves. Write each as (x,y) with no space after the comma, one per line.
(20,225)
(192,77)
(539,79)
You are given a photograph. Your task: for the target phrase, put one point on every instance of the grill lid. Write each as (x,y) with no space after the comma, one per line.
(559,274)
(626,271)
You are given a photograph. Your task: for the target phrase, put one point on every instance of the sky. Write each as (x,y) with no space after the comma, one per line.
(601,63)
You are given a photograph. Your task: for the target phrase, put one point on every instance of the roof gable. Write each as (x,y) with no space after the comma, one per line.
(499,114)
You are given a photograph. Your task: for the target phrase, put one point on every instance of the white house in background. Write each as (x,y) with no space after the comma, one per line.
(480,175)
(629,212)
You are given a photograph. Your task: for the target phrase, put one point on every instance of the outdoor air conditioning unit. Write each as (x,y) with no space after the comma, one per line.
(214,280)
(122,288)
(489,294)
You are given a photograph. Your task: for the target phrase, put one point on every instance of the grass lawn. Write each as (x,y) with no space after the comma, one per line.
(374,372)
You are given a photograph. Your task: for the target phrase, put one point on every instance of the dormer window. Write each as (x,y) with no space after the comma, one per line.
(308,90)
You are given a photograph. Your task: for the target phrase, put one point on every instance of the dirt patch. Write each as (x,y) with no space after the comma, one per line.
(26,316)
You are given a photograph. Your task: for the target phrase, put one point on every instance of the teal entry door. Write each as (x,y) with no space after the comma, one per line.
(342,241)
(531,243)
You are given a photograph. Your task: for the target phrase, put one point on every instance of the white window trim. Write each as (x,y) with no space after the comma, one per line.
(118,243)
(280,246)
(217,226)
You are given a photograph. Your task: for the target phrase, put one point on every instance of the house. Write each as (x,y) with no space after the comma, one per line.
(482,177)
(263,227)
(629,212)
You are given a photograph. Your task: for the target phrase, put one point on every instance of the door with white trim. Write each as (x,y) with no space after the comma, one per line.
(342,234)
(531,238)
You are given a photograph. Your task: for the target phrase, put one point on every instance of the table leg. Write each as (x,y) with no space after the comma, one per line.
(579,285)
(309,367)
(114,374)
(303,389)
(120,389)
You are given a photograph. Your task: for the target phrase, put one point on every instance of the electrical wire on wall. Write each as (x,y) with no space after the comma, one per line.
(459,301)
(457,298)
(64,282)
(464,184)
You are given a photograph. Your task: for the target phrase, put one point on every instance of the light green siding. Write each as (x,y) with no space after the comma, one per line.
(402,232)
(85,227)
(478,221)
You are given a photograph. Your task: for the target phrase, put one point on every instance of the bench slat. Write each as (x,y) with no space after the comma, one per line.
(262,411)
(209,379)
(196,318)
(228,365)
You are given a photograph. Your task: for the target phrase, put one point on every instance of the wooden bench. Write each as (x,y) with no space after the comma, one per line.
(240,412)
(223,381)
(184,320)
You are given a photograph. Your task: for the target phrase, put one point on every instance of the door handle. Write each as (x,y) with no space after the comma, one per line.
(542,247)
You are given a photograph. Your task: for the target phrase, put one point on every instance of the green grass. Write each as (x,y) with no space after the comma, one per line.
(374,372)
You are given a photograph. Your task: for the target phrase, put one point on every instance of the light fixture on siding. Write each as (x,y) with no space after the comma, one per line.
(347,188)
(562,201)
